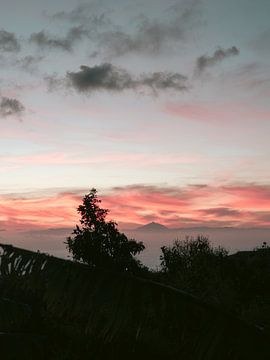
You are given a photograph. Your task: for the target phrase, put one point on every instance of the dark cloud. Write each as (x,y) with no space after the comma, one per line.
(170,192)
(165,80)
(87,14)
(109,77)
(88,19)
(105,76)
(143,33)
(29,63)
(151,189)
(10,106)
(9,42)
(221,212)
(45,40)
(205,61)
(151,36)
(263,216)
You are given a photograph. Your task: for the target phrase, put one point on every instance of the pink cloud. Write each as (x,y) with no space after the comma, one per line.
(202,205)
(250,196)
(54,211)
(223,206)
(216,112)
(59,158)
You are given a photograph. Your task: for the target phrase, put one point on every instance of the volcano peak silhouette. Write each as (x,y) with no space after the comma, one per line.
(152,226)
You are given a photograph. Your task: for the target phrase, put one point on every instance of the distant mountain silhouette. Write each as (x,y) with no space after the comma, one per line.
(153,226)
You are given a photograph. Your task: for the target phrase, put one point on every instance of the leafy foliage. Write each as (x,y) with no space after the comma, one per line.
(193,264)
(98,242)
(239,283)
(189,254)
(100,314)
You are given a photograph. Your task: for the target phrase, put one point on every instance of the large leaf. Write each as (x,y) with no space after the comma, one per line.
(129,317)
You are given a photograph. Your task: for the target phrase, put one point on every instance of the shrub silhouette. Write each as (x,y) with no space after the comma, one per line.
(194,265)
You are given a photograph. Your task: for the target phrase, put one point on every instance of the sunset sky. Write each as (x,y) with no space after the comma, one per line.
(162,106)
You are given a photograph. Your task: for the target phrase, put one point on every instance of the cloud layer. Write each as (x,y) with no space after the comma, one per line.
(109,77)
(205,61)
(244,205)
(146,34)
(45,40)
(10,107)
(152,35)
(9,42)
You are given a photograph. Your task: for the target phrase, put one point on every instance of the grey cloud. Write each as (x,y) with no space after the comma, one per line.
(149,35)
(99,77)
(263,216)
(78,14)
(9,42)
(165,80)
(153,35)
(109,77)
(54,82)
(86,14)
(29,62)
(221,211)
(205,61)
(45,40)
(170,191)
(10,106)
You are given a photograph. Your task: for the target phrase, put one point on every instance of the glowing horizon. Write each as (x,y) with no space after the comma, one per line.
(166,114)
(238,206)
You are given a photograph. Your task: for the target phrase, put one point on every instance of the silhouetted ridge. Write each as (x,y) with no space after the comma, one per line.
(153,226)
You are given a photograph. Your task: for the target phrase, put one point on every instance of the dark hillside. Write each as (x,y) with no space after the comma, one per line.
(82,311)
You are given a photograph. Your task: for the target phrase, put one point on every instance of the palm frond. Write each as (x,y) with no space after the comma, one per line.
(129,317)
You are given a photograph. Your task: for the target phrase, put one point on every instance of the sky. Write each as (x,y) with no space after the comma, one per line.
(162,106)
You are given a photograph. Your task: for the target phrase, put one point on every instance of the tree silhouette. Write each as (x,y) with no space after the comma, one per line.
(99,242)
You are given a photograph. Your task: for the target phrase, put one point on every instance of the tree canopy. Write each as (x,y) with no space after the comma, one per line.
(98,242)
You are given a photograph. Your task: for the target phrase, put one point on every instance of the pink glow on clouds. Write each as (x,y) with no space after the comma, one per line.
(41,212)
(250,197)
(216,113)
(59,158)
(203,205)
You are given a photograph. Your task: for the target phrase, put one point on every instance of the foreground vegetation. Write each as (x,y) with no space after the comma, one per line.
(57,309)
(201,304)
(239,283)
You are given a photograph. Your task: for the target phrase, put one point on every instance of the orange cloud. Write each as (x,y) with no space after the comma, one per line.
(24,211)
